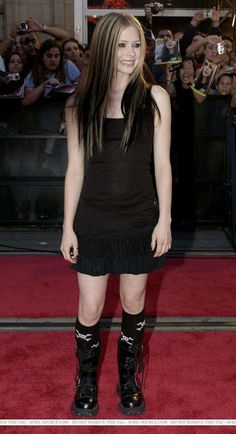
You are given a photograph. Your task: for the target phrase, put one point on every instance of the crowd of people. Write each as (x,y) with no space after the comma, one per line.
(33,65)
(38,60)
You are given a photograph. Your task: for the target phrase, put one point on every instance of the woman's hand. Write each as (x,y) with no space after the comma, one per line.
(34,25)
(69,246)
(215,18)
(161,239)
(197,18)
(53,82)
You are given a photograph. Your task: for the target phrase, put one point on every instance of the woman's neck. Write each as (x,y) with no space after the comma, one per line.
(116,93)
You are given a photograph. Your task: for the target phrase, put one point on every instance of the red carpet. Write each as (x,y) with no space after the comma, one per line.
(45,286)
(190,376)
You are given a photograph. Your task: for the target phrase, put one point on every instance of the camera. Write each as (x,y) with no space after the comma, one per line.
(24,27)
(157,8)
(207,13)
(220,48)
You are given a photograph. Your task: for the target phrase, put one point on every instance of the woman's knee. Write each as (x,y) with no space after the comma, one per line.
(89,314)
(133,304)
(91,298)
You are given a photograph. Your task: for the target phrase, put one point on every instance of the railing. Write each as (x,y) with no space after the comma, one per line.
(33,160)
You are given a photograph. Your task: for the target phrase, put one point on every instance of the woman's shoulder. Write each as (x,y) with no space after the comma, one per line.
(159,94)
(71,70)
(158,91)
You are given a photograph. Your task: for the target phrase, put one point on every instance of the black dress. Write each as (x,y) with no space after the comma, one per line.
(118,210)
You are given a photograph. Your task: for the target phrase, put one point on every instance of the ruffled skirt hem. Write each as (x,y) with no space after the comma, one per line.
(118,252)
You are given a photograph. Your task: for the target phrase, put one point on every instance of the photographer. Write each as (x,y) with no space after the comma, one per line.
(30,41)
(24,37)
(33,25)
(190,31)
(15,67)
(213,49)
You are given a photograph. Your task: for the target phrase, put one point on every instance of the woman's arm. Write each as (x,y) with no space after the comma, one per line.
(73,183)
(57,33)
(32,94)
(8,43)
(161,237)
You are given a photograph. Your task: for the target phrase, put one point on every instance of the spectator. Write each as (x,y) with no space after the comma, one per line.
(165,34)
(27,41)
(15,65)
(74,51)
(232,57)
(11,43)
(158,71)
(223,85)
(190,31)
(228,43)
(210,48)
(50,70)
(198,56)
(34,26)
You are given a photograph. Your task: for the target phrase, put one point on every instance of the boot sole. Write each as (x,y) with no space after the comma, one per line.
(132,411)
(87,412)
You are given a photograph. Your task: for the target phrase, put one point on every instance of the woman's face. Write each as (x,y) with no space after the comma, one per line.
(211,52)
(73,52)
(228,45)
(129,49)
(170,44)
(15,64)
(186,72)
(29,44)
(51,59)
(224,85)
(198,38)
(207,70)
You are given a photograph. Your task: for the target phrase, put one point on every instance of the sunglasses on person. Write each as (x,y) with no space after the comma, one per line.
(27,41)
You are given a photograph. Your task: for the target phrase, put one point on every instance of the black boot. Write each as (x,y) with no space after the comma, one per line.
(85,402)
(129,388)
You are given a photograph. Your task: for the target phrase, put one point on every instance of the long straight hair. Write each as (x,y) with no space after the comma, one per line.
(39,70)
(92,96)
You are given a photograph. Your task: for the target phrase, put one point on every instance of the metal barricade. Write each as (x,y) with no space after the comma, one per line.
(33,163)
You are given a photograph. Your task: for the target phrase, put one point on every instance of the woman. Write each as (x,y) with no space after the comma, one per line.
(15,65)
(121,123)
(73,51)
(50,70)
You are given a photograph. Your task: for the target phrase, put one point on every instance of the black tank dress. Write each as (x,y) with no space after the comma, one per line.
(118,210)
